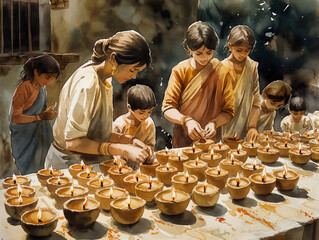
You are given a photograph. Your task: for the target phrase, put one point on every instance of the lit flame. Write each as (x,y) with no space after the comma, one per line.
(14,178)
(166,150)
(263,175)
(167,167)
(220,144)
(193,148)
(196,161)
(218,169)
(39,215)
(315,130)
(51,170)
(252,143)
(290,136)
(19,189)
(115,161)
(267,147)
(212,152)
(128,201)
(150,182)
(85,203)
(267,137)
(101,180)
(137,176)
(300,148)
(20,200)
(205,186)
(120,168)
(173,194)
(87,172)
(186,176)
(179,155)
(232,158)
(72,190)
(286,144)
(235,136)
(82,165)
(255,164)
(59,181)
(285,172)
(238,148)
(290,131)
(111,192)
(237,179)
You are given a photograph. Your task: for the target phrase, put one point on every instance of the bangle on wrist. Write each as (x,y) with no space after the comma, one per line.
(249,128)
(215,122)
(104,148)
(185,119)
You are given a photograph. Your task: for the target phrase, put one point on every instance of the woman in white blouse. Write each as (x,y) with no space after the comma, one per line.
(84,121)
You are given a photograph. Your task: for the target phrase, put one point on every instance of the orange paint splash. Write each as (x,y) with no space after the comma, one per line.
(245,212)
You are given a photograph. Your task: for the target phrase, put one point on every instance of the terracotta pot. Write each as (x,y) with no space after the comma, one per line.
(168,206)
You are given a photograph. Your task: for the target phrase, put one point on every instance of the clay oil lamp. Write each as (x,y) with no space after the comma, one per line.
(131,180)
(127,210)
(231,165)
(44,174)
(19,191)
(192,152)
(286,179)
(87,175)
(106,195)
(81,211)
(212,159)
(184,181)
(267,141)
(16,206)
(291,139)
(15,180)
(238,187)
(197,168)
(251,168)
(205,195)
(306,137)
(300,155)
(233,142)
(178,161)
(239,154)
(163,155)
(268,154)
(203,144)
(314,142)
(315,153)
(172,201)
(291,133)
(216,176)
(251,148)
(149,169)
(165,174)
(262,183)
(284,148)
(57,182)
(147,189)
(98,183)
(220,148)
(75,169)
(39,222)
(65,193)
(118,173)
(107,164)
(271,133)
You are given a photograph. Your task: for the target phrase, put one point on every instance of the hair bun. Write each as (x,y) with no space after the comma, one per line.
(100,47)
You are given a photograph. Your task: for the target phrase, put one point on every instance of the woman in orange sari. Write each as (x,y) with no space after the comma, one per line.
(199,97)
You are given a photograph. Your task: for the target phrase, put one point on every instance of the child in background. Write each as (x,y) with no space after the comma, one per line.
(296,121)
(314,117)
(137,121)
(275,95)
(245,81)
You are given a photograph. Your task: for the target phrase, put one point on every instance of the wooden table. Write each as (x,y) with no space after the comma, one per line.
(281,215)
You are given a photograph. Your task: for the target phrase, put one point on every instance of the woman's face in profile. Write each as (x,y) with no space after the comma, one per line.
(126,72)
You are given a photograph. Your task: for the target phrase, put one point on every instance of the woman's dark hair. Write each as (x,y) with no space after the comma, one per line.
(199,34)
(297,104)
(141,97)
(129,47)
(241,34)
(278,91)
(42,63)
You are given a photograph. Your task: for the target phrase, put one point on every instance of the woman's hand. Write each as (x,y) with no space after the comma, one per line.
(194,130)
(49,113)
(134,153)
(210,130)
(139,143)
(252,135)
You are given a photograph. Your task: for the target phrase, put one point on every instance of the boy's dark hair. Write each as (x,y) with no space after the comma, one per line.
(297,104)
(141,97)
(278,91)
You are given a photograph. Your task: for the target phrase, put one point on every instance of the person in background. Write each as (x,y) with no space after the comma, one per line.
(275,95)
(199,96)
(296,121)
(245,81)
(30,130)
(83,126)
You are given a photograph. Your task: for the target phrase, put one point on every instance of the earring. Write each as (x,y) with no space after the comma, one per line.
(114,69)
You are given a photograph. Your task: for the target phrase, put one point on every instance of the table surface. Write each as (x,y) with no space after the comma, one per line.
(286,215)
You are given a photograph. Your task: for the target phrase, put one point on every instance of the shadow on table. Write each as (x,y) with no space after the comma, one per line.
(151,205)
(52,236)
(142,226)
(97,230)
(216,211)
(185,218)
(275,164)
(273,197)
(309,166)
(246,202)
(13,222)
(296,193)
